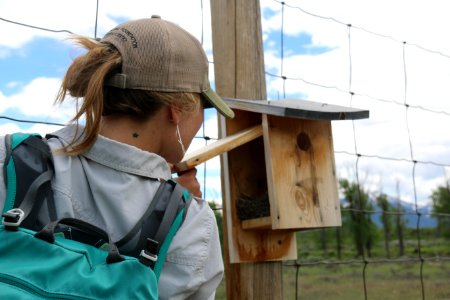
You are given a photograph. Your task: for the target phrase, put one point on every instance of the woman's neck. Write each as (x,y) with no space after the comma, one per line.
(144,134)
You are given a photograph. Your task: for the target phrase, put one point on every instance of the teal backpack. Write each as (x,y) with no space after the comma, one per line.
(69,258)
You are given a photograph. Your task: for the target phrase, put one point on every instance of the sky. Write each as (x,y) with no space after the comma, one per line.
(387,53)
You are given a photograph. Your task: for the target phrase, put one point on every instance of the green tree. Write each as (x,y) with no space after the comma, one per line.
(441,205)
(386,207)
(360,223)
(400,223)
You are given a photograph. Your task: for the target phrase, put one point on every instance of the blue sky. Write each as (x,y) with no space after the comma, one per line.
(316,50)
(23,66)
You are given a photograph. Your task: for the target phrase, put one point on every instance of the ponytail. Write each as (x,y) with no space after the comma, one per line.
(84,79)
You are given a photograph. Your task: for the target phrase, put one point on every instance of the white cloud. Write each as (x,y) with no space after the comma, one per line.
(13,84)
(8,128)
(36,100)
(41,129)
(79,17)
(404,20)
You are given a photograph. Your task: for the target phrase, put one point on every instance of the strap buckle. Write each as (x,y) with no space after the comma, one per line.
(149,256)
(13,217)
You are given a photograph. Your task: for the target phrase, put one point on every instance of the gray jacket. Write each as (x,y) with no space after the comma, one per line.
(111,185)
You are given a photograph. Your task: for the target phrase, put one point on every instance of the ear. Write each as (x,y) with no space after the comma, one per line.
(174,115)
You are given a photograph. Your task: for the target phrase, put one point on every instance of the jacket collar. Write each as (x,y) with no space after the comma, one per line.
(119,156)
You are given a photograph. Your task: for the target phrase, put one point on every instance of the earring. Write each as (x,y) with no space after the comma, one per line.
(180,141)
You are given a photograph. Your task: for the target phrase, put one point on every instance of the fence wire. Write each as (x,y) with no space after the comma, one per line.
(363,260)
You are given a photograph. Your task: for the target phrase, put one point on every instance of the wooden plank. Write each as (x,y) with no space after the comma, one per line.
(248,177)
(302,183)
(239,73)
(222,145)
(259,281)
(259,223)
(246,165)
(297,108)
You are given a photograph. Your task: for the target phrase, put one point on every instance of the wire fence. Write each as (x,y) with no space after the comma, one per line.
(381,263)
(324,248)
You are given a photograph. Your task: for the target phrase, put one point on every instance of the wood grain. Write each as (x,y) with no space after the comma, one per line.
(302,180)
(222,145)
(239,73)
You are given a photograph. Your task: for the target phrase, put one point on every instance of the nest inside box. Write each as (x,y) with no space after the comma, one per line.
(252,207)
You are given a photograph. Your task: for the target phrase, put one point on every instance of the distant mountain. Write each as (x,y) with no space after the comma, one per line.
(410,215)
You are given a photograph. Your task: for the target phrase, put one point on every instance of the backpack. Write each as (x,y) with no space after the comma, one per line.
(77,260)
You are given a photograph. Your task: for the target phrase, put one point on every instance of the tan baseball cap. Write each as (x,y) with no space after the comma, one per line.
(158,55)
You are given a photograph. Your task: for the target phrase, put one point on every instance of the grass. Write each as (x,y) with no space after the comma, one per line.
(382,281)
(323,275)
(385,281)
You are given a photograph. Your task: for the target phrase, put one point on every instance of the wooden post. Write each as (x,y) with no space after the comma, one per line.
(239,73)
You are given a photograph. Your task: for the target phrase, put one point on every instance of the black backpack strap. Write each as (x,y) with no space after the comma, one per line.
(170,214)
(28,172)
(41,145)
(154,254)
(162,219)
(145,218)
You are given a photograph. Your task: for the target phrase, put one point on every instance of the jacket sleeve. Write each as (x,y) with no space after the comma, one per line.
(194,265)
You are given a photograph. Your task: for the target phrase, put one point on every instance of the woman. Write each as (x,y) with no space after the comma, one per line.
(144,87)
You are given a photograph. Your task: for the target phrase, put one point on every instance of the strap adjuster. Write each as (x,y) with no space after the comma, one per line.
(13,217)
(149,256)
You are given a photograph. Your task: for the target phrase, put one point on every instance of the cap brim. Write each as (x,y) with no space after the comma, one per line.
(218,103)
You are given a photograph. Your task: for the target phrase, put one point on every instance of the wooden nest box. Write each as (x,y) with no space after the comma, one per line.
(281,174)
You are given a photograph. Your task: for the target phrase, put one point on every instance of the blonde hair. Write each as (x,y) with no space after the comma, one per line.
(85,79)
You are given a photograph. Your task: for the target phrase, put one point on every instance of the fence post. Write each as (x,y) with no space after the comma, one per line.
(239,73)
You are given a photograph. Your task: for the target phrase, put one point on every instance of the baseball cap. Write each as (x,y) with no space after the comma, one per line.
(158,55)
